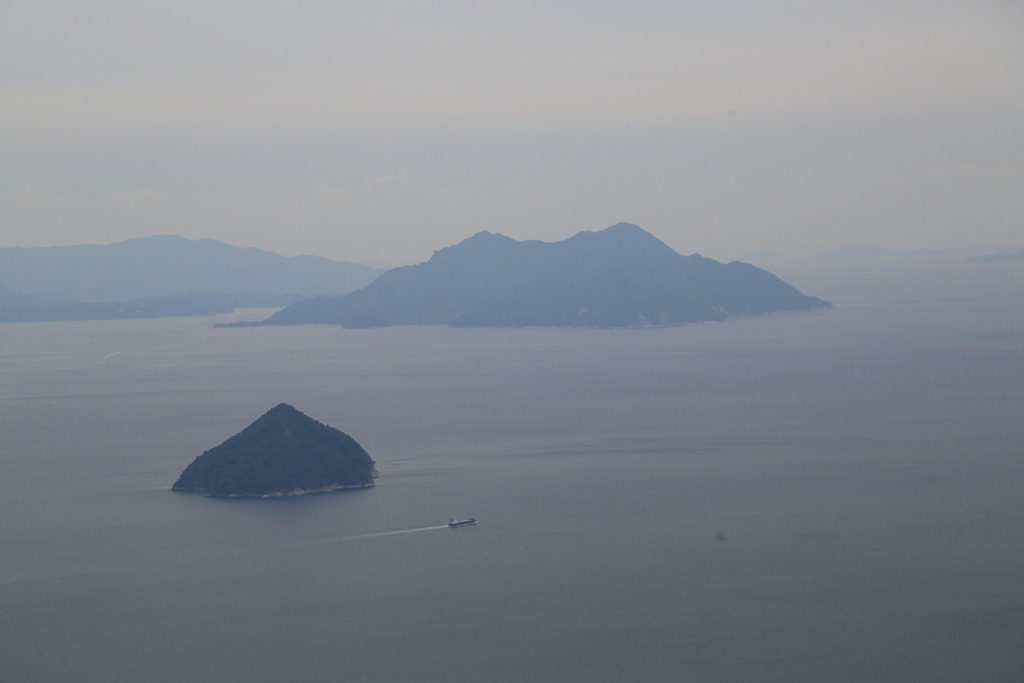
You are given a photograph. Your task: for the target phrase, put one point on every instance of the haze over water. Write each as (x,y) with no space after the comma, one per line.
(821,496)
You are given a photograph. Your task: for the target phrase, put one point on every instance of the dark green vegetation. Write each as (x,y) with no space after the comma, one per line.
(282,453)
(619,277)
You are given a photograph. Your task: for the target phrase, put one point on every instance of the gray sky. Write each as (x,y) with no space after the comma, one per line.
(390,129)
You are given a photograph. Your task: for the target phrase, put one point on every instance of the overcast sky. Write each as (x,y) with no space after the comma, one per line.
(390,129)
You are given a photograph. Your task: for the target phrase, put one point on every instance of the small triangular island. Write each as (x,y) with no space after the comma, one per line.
(283,453)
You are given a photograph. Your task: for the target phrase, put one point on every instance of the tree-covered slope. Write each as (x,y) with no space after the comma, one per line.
(284,452)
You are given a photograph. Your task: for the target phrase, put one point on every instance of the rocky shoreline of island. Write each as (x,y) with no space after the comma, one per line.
(279,494)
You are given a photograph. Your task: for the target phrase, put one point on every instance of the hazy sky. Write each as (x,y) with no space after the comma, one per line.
(393,128)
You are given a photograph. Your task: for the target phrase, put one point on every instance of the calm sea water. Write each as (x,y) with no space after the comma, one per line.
(833,496)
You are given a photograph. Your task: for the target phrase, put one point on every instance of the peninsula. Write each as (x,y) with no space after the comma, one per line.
(283,453)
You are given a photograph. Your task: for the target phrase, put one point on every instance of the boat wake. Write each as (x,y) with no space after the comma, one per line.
(391,533)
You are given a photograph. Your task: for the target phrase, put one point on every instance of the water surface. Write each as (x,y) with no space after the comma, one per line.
(824,496)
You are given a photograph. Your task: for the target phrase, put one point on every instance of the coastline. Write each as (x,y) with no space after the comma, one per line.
(298,492)
(282,494)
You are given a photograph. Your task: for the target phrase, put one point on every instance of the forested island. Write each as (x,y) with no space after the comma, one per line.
(283,453)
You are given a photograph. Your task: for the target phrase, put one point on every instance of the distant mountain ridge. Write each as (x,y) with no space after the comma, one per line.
(998,257)
(170,265)
(618,277)
(875,253)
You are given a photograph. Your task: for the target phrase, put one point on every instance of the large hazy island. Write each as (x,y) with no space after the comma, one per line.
(618,277)
(283,453)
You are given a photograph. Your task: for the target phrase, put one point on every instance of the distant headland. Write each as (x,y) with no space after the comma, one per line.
(162,275)
(283,453)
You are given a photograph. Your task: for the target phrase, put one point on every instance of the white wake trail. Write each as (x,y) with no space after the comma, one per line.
(378,534)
